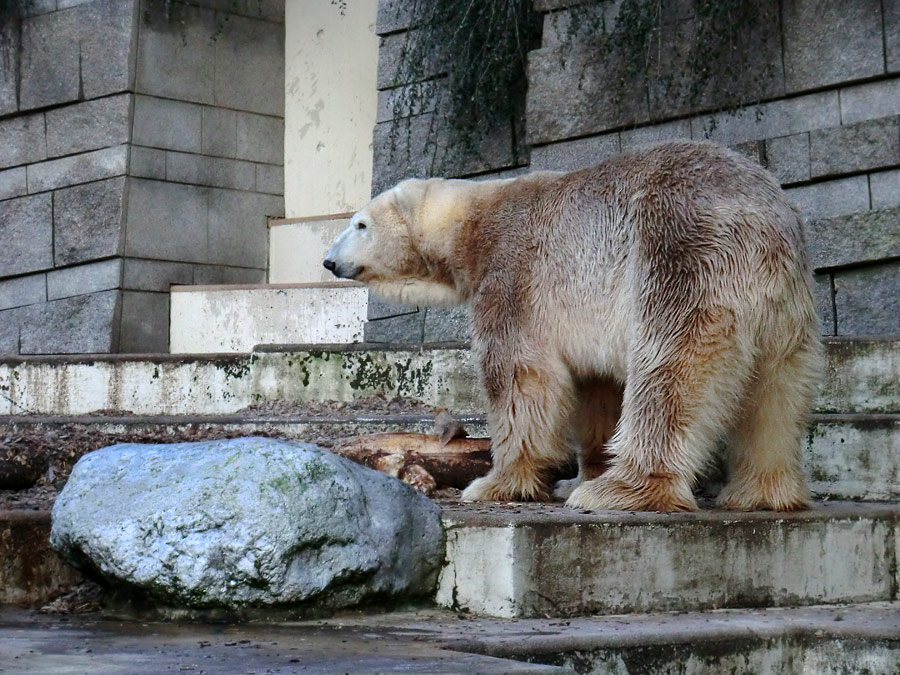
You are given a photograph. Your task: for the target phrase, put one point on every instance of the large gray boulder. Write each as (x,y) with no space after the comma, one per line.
(247,522)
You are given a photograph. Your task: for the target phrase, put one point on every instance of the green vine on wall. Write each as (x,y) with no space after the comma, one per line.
(467,59)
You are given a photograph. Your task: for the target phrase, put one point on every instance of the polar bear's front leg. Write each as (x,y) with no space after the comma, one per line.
(527,419)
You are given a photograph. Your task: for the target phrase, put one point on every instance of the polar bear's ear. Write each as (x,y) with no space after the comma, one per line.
(408,197)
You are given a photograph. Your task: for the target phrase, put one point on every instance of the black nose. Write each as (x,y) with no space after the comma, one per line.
(329,265)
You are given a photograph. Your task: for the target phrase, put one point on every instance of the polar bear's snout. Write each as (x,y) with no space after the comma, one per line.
(339,260)
(341,270)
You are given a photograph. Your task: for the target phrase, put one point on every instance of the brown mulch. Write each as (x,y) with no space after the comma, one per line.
(35,463)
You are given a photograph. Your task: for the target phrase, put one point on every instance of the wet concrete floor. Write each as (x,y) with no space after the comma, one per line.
(52,645)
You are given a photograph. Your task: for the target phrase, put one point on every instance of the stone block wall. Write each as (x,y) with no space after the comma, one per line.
(819,87)
(139,147)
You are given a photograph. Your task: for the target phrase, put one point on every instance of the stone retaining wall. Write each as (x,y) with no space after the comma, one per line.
(140,147)
(819,82)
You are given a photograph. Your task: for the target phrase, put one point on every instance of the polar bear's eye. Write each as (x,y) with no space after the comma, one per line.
(360,225)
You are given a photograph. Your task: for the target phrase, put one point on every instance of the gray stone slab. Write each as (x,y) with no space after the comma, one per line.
(108,46)
(395,65)
(84,324)
(9,332)
(224,274)
(673,90)
(166,221)
(238,227)
(270,179)
(891,9)
(51,64)
(214,171)
(250,66)
(667,131)
(854,47)
(89,125)
(394,15)
(145,323)
(9,102)
(219,132)
(824,303)
(755,151)
(857,238)
(87,221)
(99,276)
(446,325)
(402,328)
(410,99)
(394,157)
(147,163)
(578,23)
(76,169)
(171,125)
(577,154)
(22,140)
(873,144)
(259,138)
(770,120)
(13,183)
(870,101)
(868,300)
(34,7)
(154,275)
(831,198)
(82,52)
(788,158)
(885,187)
(572,93)
(177,52)
(422,146)
(26,229)
(270,10)
(21,291)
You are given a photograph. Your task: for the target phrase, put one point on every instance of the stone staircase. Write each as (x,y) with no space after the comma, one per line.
(302,303)
(603,592)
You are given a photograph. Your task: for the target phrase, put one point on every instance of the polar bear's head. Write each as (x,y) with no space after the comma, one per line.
(398,244)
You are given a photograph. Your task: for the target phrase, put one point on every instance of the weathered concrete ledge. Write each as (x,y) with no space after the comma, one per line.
(861,377)
(544,560)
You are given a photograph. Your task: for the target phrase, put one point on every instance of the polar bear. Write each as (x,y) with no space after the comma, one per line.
(672,279)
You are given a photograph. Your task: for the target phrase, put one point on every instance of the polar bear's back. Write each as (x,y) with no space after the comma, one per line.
(660,233)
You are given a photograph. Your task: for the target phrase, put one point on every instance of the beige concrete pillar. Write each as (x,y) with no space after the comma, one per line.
(330,99)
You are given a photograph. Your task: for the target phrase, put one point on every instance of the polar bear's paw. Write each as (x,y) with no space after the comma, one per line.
(564,488)
(778,493)
(504,488)
(653,493)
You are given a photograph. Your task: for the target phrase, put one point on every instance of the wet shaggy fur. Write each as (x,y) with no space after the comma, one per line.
(667,288)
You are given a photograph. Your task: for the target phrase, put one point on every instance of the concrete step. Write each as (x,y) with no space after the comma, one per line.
(861,376)
(847,456)
(297,247)
(822,640)
(540,560)
(236,318)
(548,561)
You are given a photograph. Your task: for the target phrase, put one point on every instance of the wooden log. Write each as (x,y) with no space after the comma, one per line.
(410,457)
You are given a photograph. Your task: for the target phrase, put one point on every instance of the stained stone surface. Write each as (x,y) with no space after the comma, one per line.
(246,522)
